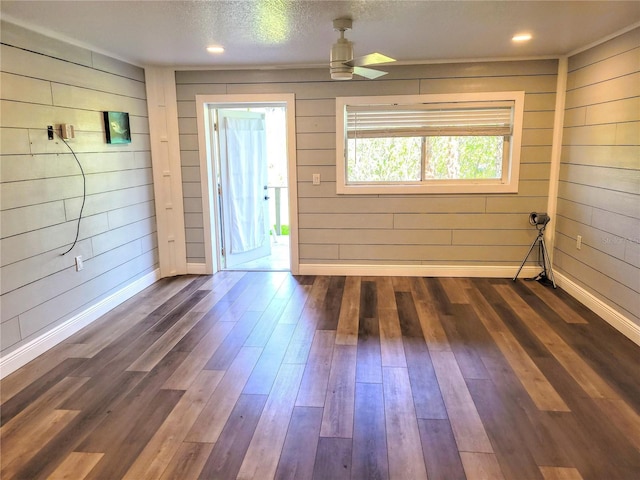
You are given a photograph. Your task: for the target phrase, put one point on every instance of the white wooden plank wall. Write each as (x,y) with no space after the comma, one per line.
(376,229)
(48,82)
(599,191)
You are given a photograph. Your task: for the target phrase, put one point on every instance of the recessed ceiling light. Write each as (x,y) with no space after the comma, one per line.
(521,37)
(215,49)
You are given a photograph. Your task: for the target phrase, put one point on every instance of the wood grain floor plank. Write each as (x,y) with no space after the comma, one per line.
(300,445)
(555,303)
(481,466)
(455,290)
(537,386)
(264,373)
(37,368)
(590,439)
(219,313)
(159,451)
(401,284)
(16,452)
(313,388)
(495,413)
(266,324)
(369,456)
(22,400)
(403,437)
(214,415)
(385,293)
(295,305)
(427,398)
(234,342)
(525,419)
(467,426)
(39,408)
(161,347)
(81,424)
(330,310)
(188,461)
(440,450)
(337,418)
(347,330)
(595,386)
(187,372)
(432,329)
(369,358)
(391,348)
(319,290)
(122,417)
(469,340)
(560,473)
(76,466)
(300,344)
(493,382)
(333,459)
(230,449)
(261,459)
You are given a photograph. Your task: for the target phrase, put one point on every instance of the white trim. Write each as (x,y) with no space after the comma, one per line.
(609,314)
(164,138)
(29,351)
(486,271)
(556,153)
(197,269)
(207,169)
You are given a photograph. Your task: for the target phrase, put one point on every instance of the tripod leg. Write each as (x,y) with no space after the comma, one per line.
(525,258)
(545,262)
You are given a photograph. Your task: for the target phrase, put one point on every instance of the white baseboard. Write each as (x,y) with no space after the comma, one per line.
(614,318)
(418,270)
(197,269)
(29,351)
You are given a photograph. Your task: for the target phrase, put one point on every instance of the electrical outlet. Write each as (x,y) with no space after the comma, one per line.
(79,264)
(316,179)
(579,242)
(50,132)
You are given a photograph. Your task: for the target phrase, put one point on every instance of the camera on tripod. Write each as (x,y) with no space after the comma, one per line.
(539,220)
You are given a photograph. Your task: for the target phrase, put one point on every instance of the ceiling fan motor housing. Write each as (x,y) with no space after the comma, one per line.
(342,51)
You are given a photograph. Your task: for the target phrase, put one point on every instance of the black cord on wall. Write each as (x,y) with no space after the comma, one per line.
(84,193)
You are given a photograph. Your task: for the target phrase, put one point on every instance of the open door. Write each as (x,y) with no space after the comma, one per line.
(243,186)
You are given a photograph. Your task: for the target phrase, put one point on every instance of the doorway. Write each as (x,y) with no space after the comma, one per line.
(248,182)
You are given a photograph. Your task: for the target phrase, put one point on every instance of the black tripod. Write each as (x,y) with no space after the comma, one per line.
(546,275)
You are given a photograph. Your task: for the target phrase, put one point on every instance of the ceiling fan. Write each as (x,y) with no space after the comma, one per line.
(343,65)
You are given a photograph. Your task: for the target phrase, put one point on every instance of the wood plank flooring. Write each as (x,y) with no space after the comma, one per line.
(261,375)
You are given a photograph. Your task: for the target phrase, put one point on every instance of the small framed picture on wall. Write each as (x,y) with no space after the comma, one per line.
(117,127)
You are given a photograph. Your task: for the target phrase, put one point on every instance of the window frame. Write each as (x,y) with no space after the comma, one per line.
(511,154)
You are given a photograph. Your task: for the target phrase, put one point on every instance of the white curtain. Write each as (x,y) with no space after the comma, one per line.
(246,152)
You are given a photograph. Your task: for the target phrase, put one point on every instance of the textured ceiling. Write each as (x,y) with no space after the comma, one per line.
(281,32)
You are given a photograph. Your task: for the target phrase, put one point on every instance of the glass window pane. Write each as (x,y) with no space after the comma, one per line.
(463,157)
(384,159)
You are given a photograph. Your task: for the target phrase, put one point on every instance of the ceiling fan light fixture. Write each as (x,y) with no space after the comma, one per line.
(341,75)
(343,65)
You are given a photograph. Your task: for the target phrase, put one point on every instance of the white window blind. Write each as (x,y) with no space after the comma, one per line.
(433,119)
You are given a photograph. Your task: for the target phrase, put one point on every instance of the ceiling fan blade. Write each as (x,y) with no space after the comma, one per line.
(369,73)
(371,59)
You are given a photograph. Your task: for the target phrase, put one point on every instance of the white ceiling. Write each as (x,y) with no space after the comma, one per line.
(291,33)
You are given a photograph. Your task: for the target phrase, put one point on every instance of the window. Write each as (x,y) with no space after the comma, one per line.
(462,143)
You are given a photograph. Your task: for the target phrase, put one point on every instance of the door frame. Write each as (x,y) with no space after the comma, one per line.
(209,168)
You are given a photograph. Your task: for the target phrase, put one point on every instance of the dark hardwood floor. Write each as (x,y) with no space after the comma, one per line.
(265,375)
